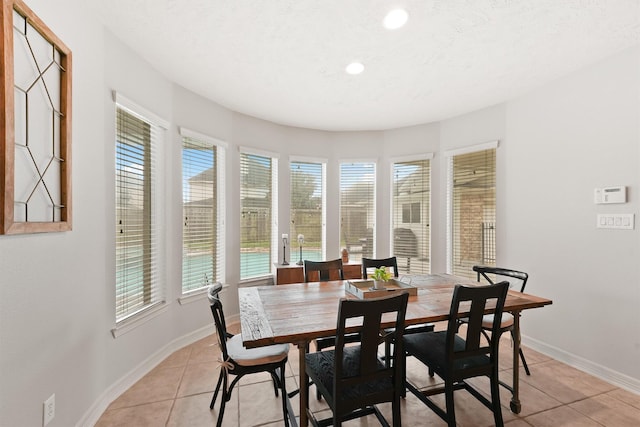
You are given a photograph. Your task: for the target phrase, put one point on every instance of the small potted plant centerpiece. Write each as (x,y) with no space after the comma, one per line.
(379,276)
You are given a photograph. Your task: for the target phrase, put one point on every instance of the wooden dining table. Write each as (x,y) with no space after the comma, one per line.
(299,313)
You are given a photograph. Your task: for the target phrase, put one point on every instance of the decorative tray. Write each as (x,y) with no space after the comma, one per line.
(364,288)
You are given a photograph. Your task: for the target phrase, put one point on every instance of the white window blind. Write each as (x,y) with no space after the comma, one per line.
(203,210)
(257,210)
(307,208)
(138,284)
(411,199)
(357,209)
(471,200)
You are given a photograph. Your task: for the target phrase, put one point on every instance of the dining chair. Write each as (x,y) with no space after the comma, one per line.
(458,354)
(240,361)
(392,263)
(369,263)
(322,271)
(350,377)
(507,318)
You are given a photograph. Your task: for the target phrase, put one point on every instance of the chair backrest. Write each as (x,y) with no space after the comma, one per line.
(218,317)
(363,358)
(475,300)
(484,271)
(322,271)
(368,263)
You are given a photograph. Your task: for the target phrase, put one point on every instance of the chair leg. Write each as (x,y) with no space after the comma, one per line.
(451,411)
(285,413)
(395,408)
(224,399)
(524,362)
(403,392)
(307,389)
(274,377)
(495,400)
(215,394)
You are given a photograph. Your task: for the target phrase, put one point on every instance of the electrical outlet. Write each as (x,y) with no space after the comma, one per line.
(49,409)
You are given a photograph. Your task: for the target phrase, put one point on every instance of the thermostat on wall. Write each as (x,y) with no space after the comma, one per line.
(610,195)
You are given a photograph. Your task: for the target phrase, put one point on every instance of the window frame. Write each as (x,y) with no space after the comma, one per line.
(267,277)
(373,203)
(292,234)
(449,156)
(407,159)
(133,319)
(219,258)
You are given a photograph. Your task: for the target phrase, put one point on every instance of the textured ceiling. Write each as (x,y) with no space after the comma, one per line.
(284,60)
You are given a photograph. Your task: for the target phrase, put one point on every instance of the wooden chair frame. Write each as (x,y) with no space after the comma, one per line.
(391,262)
(324,270)
(354,378)
(485,271)
(455,359)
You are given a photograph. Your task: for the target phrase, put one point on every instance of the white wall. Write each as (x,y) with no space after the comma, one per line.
(561,142)
(53,330)
(557,143)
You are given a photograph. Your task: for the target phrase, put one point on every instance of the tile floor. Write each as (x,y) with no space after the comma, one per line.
(178,391)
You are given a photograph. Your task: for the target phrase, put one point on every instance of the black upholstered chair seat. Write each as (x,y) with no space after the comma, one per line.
(430,349)
(322,363)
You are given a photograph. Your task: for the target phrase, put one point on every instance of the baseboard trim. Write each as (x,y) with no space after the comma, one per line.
(96,410)
(613,377)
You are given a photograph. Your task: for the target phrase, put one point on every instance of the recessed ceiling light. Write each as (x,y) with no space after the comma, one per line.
(395,19)
(355,68)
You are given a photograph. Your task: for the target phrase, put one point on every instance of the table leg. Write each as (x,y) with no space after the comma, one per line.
(515,398)
(303,348)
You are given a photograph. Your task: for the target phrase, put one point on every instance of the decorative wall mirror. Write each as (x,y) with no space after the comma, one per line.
(35,147)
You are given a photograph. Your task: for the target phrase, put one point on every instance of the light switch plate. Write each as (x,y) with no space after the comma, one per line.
(616,221)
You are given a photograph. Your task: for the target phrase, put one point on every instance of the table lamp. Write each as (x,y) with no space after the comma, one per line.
(300,242)
(285,238)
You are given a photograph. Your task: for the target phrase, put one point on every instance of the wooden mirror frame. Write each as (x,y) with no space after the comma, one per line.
(8,223)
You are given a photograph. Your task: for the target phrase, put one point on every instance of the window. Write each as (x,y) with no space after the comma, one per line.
(411,211)
(357,209)
(138,281)
(308,208)
(203,210)
(471,200)
(258,201)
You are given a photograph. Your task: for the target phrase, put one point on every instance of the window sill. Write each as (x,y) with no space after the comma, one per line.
(194,296)
(138,319)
